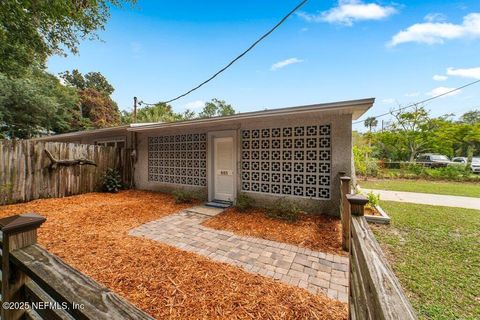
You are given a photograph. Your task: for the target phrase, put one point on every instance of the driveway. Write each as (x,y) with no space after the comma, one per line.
(427,198)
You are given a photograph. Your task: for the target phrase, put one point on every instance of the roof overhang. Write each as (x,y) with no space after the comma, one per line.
(354,107)
(78,134)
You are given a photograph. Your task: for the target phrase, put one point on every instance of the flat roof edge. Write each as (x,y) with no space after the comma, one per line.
(362,104)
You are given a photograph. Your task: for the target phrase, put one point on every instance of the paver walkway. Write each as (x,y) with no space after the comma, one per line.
(293,265)
(427,198)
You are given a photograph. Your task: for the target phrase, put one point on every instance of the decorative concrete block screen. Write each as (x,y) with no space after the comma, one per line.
(178,159)
(294,161)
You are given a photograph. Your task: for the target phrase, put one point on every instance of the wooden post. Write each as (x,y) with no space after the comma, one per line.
(345,211)
(18,231)
(357,204)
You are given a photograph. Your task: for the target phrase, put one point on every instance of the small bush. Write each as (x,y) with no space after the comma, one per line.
(244,202)
(284,209)
(373,199)
(112,182)
(184,196)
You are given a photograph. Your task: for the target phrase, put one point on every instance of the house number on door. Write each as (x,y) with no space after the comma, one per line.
(225,172)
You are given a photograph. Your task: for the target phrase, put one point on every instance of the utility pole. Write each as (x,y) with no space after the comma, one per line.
(134,109)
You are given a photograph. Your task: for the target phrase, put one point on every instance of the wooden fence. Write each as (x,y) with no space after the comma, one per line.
(374,290)
(26,170)
(38,285)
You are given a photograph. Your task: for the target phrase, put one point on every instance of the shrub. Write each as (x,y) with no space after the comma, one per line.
(244,202)
(112,181)
(364,166)
(284,209)
(373,199)
(417,169)
(184,196)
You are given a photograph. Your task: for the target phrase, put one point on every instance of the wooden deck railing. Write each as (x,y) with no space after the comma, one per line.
(38,285)
(374,290)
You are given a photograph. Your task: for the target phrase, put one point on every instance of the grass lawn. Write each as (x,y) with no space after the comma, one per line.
(435,254)
(437,187)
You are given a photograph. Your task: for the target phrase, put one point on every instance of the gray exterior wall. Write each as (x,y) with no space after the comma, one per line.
(341,156)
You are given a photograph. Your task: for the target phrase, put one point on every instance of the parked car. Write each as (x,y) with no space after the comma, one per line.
(433,160)
(474,166)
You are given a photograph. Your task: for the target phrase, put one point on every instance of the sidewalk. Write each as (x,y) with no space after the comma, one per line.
(427,198)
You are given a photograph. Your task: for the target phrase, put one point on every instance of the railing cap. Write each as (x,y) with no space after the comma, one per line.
(357,199)
(21,222)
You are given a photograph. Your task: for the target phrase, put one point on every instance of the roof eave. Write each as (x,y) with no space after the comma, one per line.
(359,107)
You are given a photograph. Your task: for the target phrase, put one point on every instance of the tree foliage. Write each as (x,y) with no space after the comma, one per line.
(413,132)
(36,103)
(31,31)
(99,109)
(216,108)
(91,80)
(162,112)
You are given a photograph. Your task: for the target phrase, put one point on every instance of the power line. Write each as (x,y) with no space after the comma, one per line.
(423,101)
(241,55)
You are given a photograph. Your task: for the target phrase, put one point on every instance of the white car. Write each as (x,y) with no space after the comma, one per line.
(474,166)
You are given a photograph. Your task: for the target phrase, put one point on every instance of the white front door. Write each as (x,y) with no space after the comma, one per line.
(223,169)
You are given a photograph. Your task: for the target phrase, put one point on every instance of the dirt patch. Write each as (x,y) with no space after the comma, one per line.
(90,232)
(321,233)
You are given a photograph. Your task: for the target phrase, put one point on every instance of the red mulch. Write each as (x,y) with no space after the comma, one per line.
(90,232)
(321,233)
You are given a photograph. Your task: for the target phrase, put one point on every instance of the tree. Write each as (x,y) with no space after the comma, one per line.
(91,80)
(159,112)
(97,108)
(100,109)
(216,108)
(413,128)
(36,104)
(31,31)
(471,117)
(370,123)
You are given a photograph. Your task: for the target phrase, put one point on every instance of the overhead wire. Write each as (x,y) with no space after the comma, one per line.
(421,102)
(265,35)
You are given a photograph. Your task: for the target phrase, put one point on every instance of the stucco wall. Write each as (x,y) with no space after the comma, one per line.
(341,145)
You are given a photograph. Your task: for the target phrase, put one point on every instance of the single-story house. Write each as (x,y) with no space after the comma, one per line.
(295,152)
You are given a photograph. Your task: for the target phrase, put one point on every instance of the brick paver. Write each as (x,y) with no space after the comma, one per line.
(313,270)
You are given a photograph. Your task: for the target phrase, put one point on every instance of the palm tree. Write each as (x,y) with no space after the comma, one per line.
(371,122)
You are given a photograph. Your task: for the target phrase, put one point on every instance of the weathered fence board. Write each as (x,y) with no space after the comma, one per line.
(374,290)
(51,288)
(26,174)
(380,292)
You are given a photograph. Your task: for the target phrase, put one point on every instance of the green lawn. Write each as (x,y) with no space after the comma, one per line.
(435,253)
(467,189)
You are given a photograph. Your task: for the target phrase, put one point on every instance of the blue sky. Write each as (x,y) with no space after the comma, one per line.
(398,52)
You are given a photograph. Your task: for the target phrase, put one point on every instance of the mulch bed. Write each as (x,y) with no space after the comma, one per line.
(90,232)
(372,212)
(321,233)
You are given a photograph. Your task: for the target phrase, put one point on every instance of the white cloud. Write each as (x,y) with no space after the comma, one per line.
(435,17)
(442,90)
(439,77)
(434,32)
(195,105)
(412,94)
(465,73)
(284,63)
(388,100)
(349,11)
